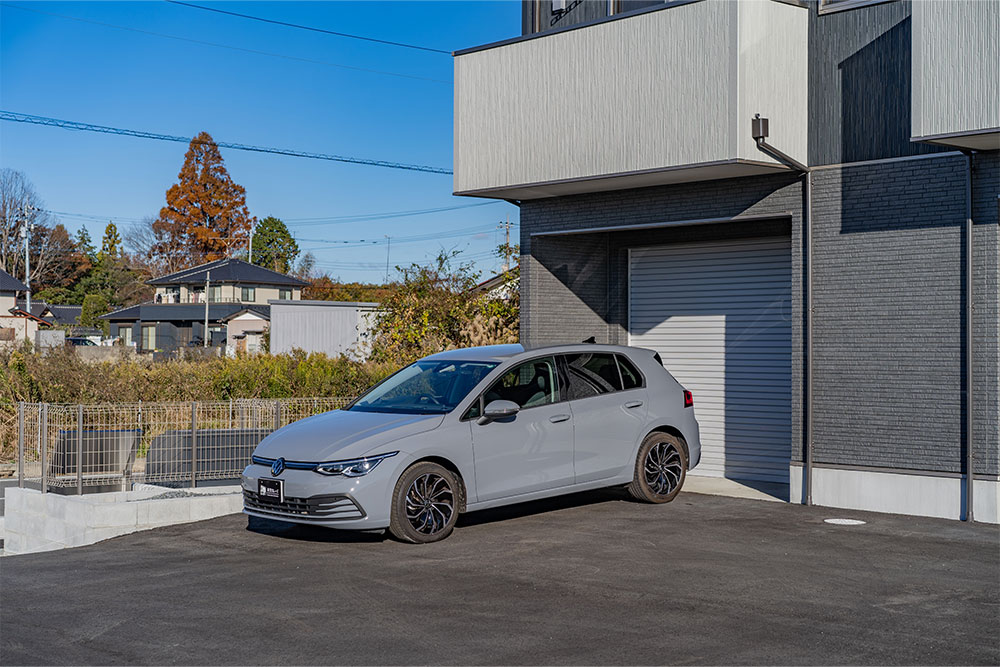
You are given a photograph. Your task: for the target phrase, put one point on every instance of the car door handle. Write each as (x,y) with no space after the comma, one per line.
(555,419)
(633,404)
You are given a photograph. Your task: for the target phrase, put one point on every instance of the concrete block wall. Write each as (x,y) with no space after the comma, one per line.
(38,521)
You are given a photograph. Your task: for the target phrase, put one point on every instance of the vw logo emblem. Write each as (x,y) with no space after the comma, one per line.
(277,467)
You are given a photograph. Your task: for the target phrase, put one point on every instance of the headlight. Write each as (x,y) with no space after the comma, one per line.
(352,467)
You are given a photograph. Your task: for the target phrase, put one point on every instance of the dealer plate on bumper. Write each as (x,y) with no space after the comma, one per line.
(271,490)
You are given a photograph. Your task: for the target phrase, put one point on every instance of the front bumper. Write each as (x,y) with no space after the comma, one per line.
(353,503)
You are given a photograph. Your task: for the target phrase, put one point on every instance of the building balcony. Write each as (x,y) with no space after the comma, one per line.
(955,70)
(660,96)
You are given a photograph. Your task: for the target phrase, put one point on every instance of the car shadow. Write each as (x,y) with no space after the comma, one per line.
(569,501)
(306,533)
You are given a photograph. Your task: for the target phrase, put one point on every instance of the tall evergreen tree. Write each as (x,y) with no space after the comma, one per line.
(206,214)
(273,245)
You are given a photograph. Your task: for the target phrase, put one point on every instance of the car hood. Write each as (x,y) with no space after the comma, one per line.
(342,434)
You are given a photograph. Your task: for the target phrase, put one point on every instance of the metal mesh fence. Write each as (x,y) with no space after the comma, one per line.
(108,447)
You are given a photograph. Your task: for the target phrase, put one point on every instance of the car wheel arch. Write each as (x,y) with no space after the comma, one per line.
(670,430)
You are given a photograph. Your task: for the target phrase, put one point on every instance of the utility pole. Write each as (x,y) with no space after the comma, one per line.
(250,247)
(388,245)
(506,244)
(204,334)
(27,260)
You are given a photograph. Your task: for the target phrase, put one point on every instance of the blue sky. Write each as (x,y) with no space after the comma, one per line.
(69,69)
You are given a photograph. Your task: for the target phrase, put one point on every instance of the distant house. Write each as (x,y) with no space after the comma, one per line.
(53,313)
(175,318)
(16,323)
(245,330)
(502,286)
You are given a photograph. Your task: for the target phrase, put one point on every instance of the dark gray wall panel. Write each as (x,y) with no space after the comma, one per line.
(860,84)
(889,319)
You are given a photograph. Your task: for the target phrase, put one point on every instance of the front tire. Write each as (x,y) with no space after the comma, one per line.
(424,504)
(660,469)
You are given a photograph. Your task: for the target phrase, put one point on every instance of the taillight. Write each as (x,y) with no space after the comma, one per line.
(688,399)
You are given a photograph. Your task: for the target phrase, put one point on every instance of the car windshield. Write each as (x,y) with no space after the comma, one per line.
(425,387)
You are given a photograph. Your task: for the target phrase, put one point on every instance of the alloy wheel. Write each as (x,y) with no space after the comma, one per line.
(430,503)
(663,468)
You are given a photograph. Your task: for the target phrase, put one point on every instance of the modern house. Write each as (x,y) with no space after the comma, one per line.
(795,202)
(185,299)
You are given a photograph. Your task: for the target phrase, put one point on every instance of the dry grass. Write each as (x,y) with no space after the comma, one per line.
(61,377)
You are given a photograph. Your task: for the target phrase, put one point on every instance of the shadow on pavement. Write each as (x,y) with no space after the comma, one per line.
(306,533)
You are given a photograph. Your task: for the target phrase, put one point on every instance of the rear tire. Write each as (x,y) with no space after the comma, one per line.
(660,469)
(425,504)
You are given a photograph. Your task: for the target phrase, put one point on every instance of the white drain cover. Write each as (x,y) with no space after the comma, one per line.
(845,522)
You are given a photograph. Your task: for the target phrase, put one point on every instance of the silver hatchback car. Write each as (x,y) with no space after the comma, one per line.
(475,428)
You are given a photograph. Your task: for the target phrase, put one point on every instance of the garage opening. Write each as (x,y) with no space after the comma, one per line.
(719,314)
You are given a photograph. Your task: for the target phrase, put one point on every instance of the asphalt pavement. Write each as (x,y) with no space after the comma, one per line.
(587,579)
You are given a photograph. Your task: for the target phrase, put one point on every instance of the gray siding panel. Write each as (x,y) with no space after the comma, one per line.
(331,330)
(956,66)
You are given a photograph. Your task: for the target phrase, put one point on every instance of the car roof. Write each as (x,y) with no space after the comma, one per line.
(505,352)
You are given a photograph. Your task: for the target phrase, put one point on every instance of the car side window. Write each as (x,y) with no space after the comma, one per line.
(630,375)
(530,384)
(592,374)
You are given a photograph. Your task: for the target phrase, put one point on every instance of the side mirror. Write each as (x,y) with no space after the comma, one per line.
(499,410)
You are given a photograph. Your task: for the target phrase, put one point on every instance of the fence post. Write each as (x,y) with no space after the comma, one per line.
(79,450)
(20,444)
(45,447)
(194,442)
(277,414)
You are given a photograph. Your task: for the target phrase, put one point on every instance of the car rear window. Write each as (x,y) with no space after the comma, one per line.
(630,375)
(592,374)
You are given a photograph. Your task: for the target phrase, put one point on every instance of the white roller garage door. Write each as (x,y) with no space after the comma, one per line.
(719,314)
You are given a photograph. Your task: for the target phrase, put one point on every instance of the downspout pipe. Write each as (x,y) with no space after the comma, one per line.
(970,357)
(759,132)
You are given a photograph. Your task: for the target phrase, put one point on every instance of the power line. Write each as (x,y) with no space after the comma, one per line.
(87,127)
(225,46)
(399,239)
(291,222)
(310,28)
(367,217)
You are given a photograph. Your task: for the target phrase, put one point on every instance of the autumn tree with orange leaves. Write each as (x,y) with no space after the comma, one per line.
(206,216)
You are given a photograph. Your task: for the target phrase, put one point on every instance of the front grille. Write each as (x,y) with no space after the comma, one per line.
(329,508)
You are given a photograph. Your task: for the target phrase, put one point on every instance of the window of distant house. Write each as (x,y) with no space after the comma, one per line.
(248,294)
(198,295)
(284,294)
(125,332)
(215,293)
(149,337)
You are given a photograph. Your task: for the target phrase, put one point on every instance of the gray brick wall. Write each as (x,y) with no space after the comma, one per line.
(889,319)
(888,294)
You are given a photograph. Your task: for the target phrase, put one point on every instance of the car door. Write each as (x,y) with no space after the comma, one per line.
(532,450)
(609,411)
